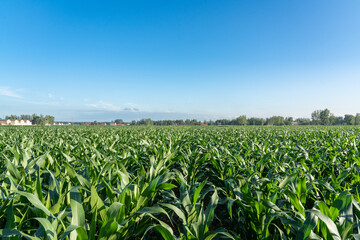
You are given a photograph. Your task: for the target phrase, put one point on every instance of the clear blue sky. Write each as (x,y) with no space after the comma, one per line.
(102,60)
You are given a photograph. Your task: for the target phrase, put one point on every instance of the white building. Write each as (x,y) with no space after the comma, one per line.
(15,122)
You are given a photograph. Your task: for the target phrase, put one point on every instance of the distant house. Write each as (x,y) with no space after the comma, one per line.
(15,122)
(25,122)
(113,124)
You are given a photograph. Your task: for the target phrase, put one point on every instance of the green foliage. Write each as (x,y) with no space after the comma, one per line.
(276,120)
(183,183)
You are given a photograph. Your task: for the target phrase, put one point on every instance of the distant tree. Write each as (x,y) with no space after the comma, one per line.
(324,116)
(223,122)
(39,120)
(349,119)
(303,121)
(357,119)
(288,121)
(148,122)
(49,119)
(315,117)
(339,121)
(164,122)
(256,121)
(179,122)
(239,120)
(25,117)
(195,122)
(119,121)
(332,119)
(12,117)
(321,117)
(276,120)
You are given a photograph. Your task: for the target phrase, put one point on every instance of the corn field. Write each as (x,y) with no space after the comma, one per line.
(179,183)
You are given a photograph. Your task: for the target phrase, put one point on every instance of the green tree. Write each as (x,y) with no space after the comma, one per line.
(49,119)
(119,121)
(256,121)
(179,122)
(357,119)
(349,119)
(38,120)
(324,116)
(148,122)
(288,121)
(276,120)
(25,117)
(223,122)
(12,117)
(315,117)
(239,120)
(303,121)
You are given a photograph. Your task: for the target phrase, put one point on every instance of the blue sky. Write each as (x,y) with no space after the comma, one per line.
(102,60)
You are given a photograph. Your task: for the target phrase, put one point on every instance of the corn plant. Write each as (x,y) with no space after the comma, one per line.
(181,183)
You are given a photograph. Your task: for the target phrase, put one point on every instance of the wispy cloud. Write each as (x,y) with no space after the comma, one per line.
(131,109)
(42,103)
(101,105)
(105,106)
(8,92)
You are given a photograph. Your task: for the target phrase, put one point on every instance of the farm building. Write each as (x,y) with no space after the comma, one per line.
(16,122)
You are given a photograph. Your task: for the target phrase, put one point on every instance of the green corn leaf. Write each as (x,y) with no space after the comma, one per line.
(49,228)
(162,230)
(286,180)
(329,223)
(306,229)
(177,211)
(97,203)
(35,201)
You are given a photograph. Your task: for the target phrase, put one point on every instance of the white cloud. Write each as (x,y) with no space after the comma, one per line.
(101,105)
(41,103)
(50,95)
(169,111)
(6,91)
(105,106)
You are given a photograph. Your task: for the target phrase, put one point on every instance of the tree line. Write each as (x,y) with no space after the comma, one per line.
(36,119)
(242,120)
(318,117)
